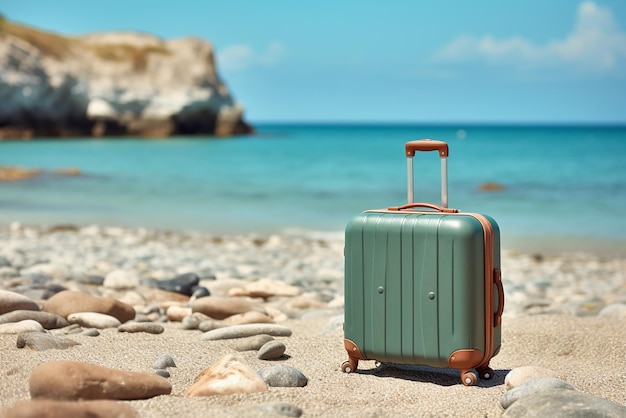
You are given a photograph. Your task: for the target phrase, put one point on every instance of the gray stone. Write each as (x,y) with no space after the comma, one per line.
(283,376)
(162,373)
(251,343)
(280,408)
(164,362)
(46,319)
(558,403)
(209,324)
(148,327)
(614,311)
(272,350)
(246,330)
(41,341)
(531,387)
(91,332)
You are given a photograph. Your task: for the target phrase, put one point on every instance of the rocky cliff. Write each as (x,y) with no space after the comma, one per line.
(110,84)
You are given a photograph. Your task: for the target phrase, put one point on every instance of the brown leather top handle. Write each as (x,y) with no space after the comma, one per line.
(423,205)
(426,145)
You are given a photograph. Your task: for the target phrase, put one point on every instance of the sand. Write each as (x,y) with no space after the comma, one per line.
(587,352)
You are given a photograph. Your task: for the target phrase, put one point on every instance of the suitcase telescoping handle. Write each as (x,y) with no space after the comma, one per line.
(428,145)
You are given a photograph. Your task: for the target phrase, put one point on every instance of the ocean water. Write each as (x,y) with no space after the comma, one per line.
(562,184)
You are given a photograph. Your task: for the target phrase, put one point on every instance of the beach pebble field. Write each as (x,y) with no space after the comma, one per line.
(109,321)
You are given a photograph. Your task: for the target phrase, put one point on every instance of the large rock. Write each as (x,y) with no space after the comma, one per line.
(70,380)
(44,408)
(116,83)
(68,302)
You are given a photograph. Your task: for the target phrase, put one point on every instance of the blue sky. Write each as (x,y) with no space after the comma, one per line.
(388,61)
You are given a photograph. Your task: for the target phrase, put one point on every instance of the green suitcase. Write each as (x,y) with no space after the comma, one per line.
(423,284)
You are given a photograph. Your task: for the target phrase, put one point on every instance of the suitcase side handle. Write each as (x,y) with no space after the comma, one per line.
(426,145)
(423,205)
(497,319)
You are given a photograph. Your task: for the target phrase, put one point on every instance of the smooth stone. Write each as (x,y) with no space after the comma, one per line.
(41,292)
(45,408)
(520,375)
(41,341)
(559,403)
(265,288)
(91,332)
(164,362)
(282,375)
(271,350)
(228,376)
(614,311)
(71,380)
(147,327)
(246,330)
(11,301)
(27,325)
(162,373)
(251,343)
(69,301)
(93,320)
(210,325)
(193,321)
(121,279)
(280,408)
(183,283)
(532,387)
(220,308)
(177,313)
(251,317)
(46,319)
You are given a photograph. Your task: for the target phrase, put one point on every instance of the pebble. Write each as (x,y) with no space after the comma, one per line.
(84,409)
(532,387)
(614,311)
(183,283)
(210,325)
(559,403)
(272,350)
(227,376)
(521,375)
(251,317)
(41,341)
(121,279)
(177,313)
(222,307)
(27,325)
(265,288)
(11,301)
(193,321)
(282,375)
(253,343)
(46,319)
(93,320)
(164,362)
(162,373)
(147,327)
(68,302)
(246,330)
(70,380)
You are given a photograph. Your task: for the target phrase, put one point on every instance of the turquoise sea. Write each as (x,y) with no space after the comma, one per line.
(564,186)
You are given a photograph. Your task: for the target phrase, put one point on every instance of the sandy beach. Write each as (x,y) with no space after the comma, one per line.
(556,317)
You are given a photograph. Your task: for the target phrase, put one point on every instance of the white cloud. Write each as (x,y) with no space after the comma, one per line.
(596,44)
(242,56)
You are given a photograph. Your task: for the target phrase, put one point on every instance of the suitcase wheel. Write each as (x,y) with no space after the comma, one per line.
(349,366)
(468,378)
(486,373)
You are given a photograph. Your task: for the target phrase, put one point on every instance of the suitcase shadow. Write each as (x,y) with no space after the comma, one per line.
(427,374)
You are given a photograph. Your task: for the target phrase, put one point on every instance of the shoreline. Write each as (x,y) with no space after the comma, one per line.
(532,244)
